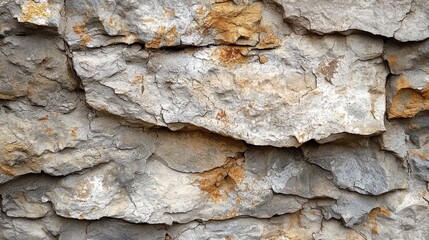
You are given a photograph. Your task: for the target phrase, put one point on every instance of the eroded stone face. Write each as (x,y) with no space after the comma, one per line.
(35,66)
(167,23)
(140,119)
(228,90)
(405,20)
(19,16)
(409,86)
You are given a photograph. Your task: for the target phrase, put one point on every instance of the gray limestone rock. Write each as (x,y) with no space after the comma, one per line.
(363,169)
(36,66)
(405,20)
(408,87)
(228,90)
(159,23)
(225,119)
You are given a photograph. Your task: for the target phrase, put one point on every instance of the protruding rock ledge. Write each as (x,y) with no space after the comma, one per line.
(309,88)
(404,20)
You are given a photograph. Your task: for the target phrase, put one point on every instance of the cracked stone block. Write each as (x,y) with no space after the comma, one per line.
(37,67)
(21,16)
(404,20)
(168,23)
(408,87)
(228,90)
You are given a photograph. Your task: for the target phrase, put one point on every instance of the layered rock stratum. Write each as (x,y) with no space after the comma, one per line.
(201,119)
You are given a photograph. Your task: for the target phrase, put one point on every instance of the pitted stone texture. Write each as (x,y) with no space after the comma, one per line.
(280,101)
(17,16)
(405,20)
(146,190)
(57,143)
(155,193)
(36,66)
(304,225)
(160,23)
(34,140)
(408,87)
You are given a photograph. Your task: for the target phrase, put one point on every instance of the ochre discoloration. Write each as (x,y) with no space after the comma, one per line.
(221,115)
(372,218)
(407,102)
(137,79)
(164,38)
(330,68)
(20,169)
(218,182)
(263,59)
(231,55)
(73,133)
(43,119)
(229,215)
(32,11)
(80,30)
(10,166)
(267,38)
(392,59)
(232,21)
(7,96)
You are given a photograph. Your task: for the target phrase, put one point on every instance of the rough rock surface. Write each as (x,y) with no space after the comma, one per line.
(229,91)
(220,119)
(404,20)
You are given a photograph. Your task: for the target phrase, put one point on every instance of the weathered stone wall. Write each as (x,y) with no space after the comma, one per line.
(214,119)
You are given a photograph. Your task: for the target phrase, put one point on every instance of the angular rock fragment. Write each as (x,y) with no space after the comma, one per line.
(158,194)
(17,15)
(34,140)
(228,90)
(395,139)
(290,174)
(405,20)
(36,66)
(408,87)
(363,169)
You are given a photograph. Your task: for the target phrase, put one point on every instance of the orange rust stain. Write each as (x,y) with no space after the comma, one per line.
(32,10)
(372,218)
(19,169)
(231,55)
(44,118)
(73,133)
(392,59)
(402,83)
(148,20)
(423,156)
(221,115)
(218,182)
(164,38)
(267,39)
(79,29)
(295,220)
(231,21)
(407,102)
(200,10)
